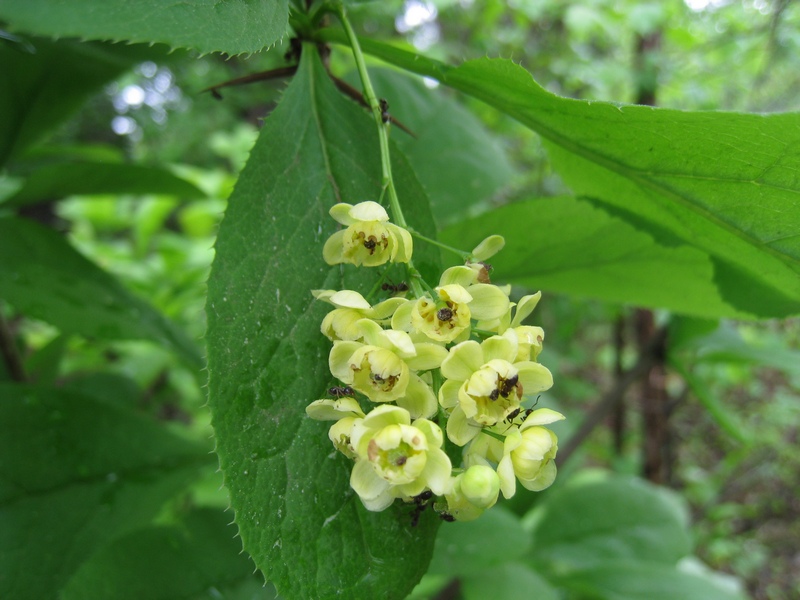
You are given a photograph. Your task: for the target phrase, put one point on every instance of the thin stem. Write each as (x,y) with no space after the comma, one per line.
(463,255)
(496,436)
(383,136)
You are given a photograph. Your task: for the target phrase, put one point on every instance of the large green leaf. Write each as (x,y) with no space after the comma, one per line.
(568,245)
(42,87)
(74,473)
(232,26)
(298,517)
(44,277)
(634,580)
(54,182)
(186,560)
(618,518)
(725,183)
(461,165)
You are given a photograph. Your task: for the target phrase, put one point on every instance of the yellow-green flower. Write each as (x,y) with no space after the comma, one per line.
(397,458)
(530,337)
(445,319)
(381,367)
(529,454)
(346,412)
(460,298)
(342,322)
(368,239)
(485,383)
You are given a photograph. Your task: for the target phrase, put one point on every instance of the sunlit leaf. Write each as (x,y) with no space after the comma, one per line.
(54,182)
(43,83)
(298,516)
(725,183)
(44,277)
(569,246)
(233,26)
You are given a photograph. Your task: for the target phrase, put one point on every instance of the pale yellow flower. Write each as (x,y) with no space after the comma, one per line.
(368,239)
(397,458)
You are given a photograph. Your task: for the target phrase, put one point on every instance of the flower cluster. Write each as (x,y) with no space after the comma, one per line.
(455,357)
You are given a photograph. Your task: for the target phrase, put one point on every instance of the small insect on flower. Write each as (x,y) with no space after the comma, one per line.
(395,288)
(341,391)
(421,503)
(508,385)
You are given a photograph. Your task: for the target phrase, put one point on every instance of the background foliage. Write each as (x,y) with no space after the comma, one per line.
(116,171)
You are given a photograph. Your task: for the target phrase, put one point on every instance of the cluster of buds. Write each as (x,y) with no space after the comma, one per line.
(455,358)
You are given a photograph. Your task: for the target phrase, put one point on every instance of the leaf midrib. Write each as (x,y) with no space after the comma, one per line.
(440,71)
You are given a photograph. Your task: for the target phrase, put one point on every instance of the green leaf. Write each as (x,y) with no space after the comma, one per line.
(589,522)
(461,546)
(508,581)
(75,473)
(725,183)
(567,245)
(181,561)
(41,89)
(298,516)
(44,277)
(461,165)
(54,182)
(233,26)
(634,580)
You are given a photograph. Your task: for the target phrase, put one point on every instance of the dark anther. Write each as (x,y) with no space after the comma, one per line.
(401,460)
(370,244)
(444,314)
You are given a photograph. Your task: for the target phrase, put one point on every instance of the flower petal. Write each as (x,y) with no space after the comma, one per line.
(544,479)
(534,377)
(542,416)
(429,356)
(419,399)
(464,359)
(448,394)
(339,360)
(367,211)
(385,415)
(333,250)
(349,299)
(461,275)
(341,213)
(437,472)
(488,248)
(404,244)
(488,302)
(366,482)
(525,307)
(459,430)
(499,347)
(333,410)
